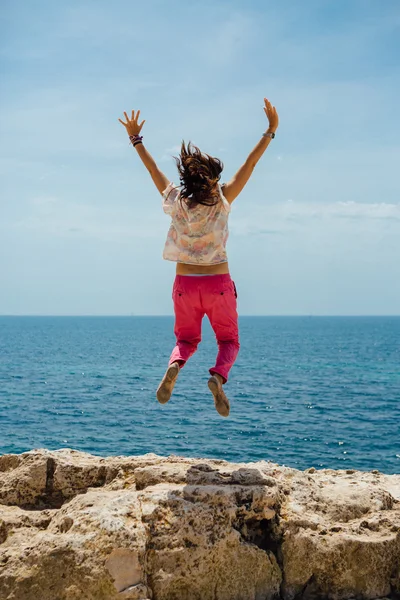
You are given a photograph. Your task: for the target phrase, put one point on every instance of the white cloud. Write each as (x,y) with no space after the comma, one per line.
(346,210)
(57,218)
(317,218)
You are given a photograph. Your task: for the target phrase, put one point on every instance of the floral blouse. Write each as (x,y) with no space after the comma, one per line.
(198,235)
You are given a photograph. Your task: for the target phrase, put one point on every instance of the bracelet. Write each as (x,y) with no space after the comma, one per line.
(136,143)
(135,139)
(269,134)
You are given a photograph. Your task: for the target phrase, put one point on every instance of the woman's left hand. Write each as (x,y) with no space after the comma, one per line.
(272,115)
(132,126)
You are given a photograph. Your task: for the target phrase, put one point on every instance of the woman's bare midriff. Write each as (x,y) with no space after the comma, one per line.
(221,269)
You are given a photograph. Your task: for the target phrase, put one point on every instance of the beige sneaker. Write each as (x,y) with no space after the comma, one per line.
(167,384)
(220,400)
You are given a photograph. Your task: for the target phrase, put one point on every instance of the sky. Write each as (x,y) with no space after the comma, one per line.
(316,231)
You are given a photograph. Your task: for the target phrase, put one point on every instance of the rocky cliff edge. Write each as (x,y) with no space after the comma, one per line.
(79,527)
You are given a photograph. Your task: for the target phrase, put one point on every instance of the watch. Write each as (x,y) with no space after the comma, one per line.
(270,134)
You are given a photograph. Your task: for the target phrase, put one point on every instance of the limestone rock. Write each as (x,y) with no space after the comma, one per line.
(75,526)
(341,535)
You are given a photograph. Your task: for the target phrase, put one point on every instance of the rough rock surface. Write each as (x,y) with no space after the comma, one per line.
(80,527)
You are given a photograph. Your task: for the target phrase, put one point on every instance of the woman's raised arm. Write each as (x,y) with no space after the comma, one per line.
(133,129)
(232,189)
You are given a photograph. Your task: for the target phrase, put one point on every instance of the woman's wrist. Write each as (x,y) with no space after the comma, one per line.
(135,139)
(269,134)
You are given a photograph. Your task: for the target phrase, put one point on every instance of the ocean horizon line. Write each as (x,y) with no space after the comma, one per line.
(163,316)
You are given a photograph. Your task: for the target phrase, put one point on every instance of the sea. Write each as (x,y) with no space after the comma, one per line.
(319,392)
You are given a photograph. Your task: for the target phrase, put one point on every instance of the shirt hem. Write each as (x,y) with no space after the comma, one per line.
(196,264)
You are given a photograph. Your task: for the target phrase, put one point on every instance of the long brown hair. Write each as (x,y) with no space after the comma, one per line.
(198,175)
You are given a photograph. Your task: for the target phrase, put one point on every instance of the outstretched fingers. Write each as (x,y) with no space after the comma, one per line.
(131,124)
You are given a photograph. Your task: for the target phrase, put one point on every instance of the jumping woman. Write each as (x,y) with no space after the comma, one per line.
(199,209)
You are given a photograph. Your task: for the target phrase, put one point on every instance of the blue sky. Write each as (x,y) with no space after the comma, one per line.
(317,228)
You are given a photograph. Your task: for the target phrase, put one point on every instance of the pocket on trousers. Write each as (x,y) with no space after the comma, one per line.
(227,289)
(177,293)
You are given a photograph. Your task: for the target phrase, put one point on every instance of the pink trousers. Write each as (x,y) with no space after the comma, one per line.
(214,296)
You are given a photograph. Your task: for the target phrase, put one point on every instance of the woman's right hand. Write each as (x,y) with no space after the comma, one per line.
(132,126)
(272,116)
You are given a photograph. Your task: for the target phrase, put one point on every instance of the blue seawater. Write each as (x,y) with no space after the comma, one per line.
(305,391)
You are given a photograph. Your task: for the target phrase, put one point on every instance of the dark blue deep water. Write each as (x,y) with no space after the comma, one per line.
(321,392)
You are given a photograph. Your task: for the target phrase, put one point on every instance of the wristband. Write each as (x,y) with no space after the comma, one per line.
(135,139)
(269,134)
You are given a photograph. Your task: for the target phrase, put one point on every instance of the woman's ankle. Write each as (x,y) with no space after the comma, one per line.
(180,363)
(219,377)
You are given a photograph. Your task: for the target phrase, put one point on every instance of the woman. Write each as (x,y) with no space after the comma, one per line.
(196,241)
